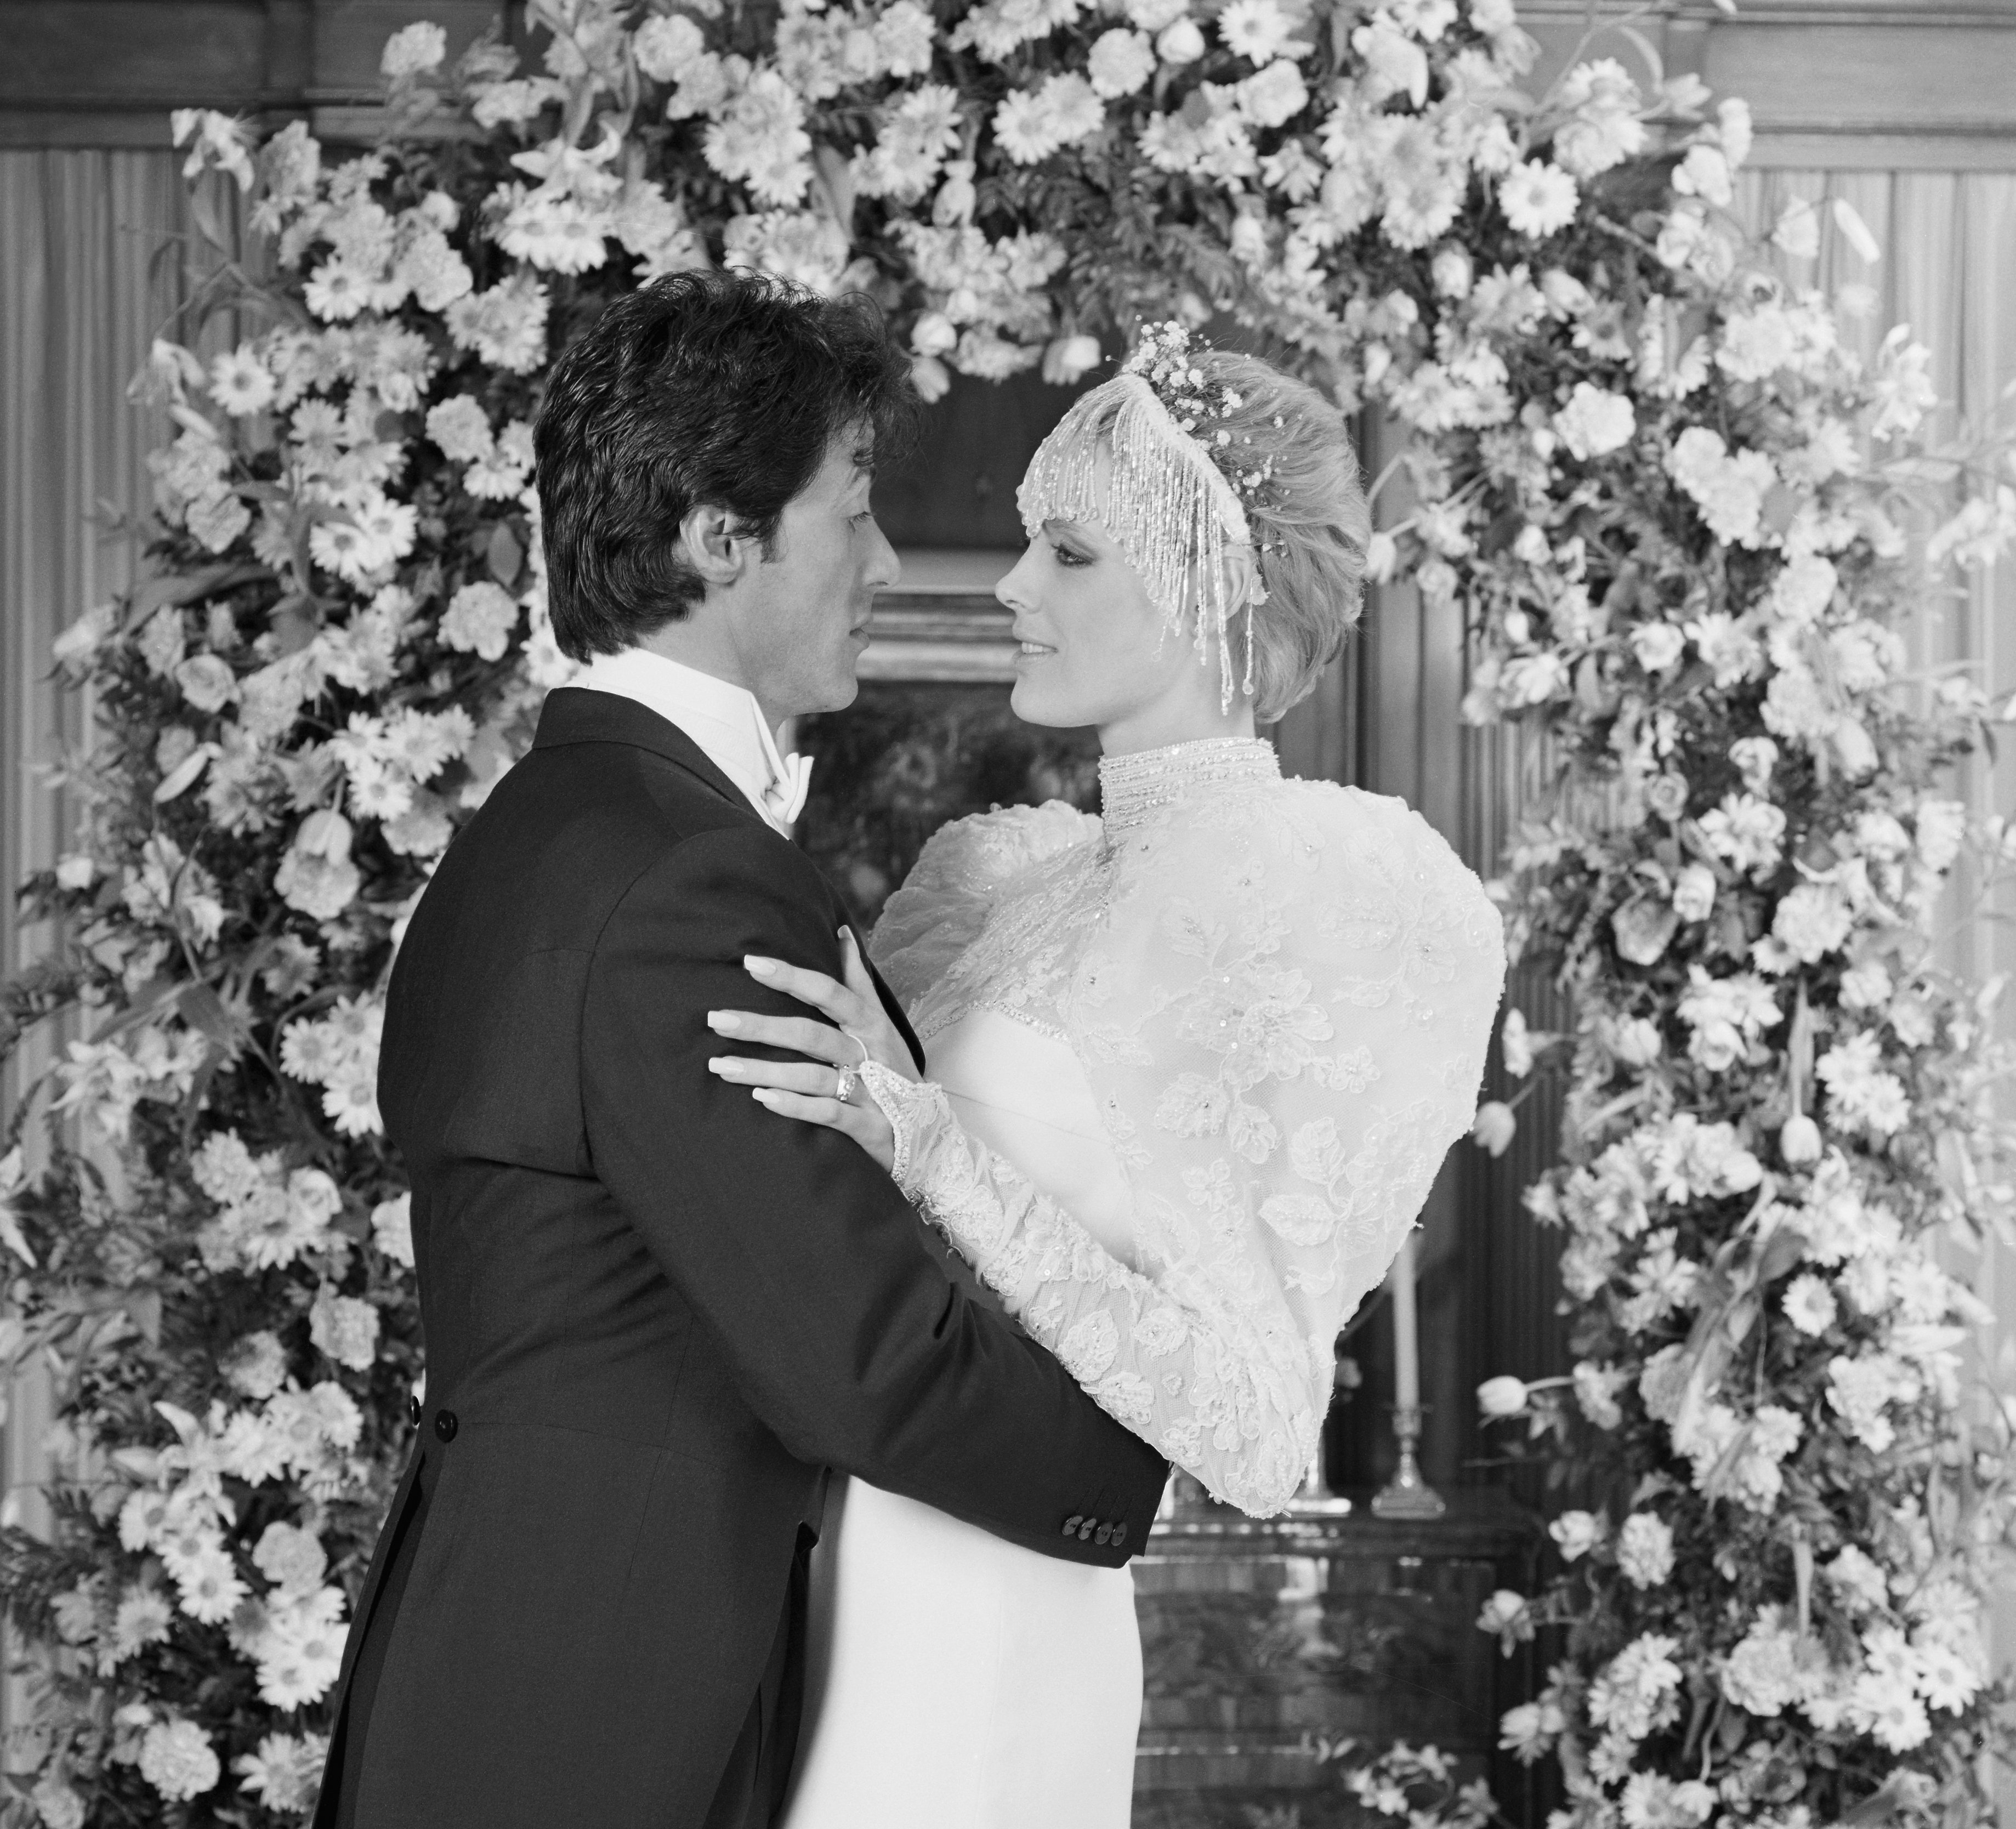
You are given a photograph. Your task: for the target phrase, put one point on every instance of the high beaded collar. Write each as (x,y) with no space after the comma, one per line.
(1131,787)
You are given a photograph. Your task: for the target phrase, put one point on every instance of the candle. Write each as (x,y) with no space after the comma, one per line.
(1406,1347)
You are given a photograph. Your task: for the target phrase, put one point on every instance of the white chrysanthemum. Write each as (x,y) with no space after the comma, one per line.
(1596,1388)
(336,292)
(761,142)
(344,1327)
(1747,831)
(479,619)
(289,1557)
(461,428)
(177,1759)
(208,1582)
(392,1228)
(1802,589)
(143,1618)
(1942,830)
(1259,29)
(1726,1016)
(1634,1691)
(57,1806)
(1273,96)
(904,36)
(1596,422)
(143,1519)
(300,1651)
(411,49)
(258,1365)
(666,44)
(1861,1095)
(239,382)
(1728,487)
(1861,1389)
(1120,62)
(285,1772)
(1813,921)
(514,103)
(319,887)
(1537,198)
(1861,1581)
(1809,1305)
(506,326)
(806,247)
(1606,128)
(1031,125)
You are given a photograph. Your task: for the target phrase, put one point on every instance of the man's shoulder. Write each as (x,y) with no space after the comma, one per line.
(570,831)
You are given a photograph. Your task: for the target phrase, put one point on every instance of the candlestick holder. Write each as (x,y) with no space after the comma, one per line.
(1314,1497)
(1407,1495)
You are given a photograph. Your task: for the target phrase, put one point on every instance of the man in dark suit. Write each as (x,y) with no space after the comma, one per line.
(655,1316)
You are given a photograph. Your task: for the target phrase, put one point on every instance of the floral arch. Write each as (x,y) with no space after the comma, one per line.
(1678,514)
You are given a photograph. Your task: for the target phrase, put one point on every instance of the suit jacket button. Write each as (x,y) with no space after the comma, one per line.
(1085,1530)
(1119,1535)
(1072,1523)
(413,1411)
(1103,1534)
(445,1425)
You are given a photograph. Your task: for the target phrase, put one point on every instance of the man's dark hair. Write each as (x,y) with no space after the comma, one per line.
(720,390)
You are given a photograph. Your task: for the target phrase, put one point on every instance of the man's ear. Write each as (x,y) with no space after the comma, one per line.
(714,545)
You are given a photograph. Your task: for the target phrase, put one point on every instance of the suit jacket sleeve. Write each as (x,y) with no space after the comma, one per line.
(799,1252)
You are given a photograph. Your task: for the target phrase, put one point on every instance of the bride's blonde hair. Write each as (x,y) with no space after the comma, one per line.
(1286,450)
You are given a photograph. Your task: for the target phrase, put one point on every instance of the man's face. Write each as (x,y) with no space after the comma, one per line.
(800,617)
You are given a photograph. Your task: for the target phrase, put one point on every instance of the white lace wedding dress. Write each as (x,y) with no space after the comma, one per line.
(1193,1069)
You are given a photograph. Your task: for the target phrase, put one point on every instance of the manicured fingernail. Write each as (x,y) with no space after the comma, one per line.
(762,1095)
(763,968)
(721,1065)
(725,1019)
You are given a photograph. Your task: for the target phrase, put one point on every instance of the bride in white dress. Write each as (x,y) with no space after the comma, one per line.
(1193,1066)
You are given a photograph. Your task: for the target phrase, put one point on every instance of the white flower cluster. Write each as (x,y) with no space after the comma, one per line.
(339,1053)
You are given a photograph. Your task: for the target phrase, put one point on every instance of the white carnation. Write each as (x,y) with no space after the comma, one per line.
(177,1759)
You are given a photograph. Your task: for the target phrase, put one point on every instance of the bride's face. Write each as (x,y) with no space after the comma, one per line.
(1094,648)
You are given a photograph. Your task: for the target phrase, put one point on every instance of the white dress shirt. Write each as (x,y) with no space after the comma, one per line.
(725,720)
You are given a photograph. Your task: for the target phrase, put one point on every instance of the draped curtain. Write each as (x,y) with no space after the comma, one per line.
(94,261)
(1948,269)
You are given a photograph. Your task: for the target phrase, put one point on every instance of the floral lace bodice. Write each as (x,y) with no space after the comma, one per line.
(1280,992)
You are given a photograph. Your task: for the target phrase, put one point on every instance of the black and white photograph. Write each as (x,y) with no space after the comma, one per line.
(1007,914)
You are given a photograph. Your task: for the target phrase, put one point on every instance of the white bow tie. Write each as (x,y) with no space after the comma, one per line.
(785,797)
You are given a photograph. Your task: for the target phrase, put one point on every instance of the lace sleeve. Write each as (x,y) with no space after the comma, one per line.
(946,900)
(1284,1023)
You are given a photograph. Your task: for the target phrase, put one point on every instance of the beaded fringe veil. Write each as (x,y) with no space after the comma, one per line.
(1169,506)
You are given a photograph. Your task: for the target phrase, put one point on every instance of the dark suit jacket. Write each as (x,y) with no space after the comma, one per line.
(655,1314)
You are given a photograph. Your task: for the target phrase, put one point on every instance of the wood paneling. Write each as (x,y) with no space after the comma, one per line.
(81,73)
(1906,85)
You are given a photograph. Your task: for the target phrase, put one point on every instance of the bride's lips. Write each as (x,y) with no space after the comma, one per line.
(1029,649)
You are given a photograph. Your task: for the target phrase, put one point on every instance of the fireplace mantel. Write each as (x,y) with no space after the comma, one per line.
(941,622)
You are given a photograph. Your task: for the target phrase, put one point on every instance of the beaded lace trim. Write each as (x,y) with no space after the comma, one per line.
(1132,787)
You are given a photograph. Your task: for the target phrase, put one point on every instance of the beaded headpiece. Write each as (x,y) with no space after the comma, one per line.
(1172,496)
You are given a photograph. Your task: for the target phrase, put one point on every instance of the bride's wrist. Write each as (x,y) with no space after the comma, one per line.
(907,1104)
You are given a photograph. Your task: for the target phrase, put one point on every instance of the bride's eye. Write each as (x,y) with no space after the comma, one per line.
(1069,556)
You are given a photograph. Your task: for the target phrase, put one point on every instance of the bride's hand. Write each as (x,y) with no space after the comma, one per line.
(859,1030)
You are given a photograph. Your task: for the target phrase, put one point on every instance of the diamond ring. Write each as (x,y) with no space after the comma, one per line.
(843,1087)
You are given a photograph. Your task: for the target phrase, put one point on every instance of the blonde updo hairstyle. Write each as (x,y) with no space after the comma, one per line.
(1310,522)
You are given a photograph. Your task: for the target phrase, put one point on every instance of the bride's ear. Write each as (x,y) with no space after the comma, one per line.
(1242,579)
(713,545)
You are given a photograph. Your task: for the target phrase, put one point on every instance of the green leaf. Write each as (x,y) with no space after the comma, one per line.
(504,555)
